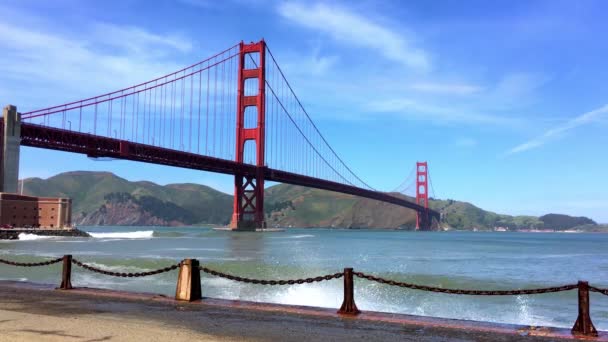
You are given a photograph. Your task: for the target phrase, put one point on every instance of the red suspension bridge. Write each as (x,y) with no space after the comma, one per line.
(187,119)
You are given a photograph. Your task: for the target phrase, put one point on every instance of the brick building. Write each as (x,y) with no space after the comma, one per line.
(27,211)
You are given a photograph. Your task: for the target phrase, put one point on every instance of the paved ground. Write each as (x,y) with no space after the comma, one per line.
(37,313)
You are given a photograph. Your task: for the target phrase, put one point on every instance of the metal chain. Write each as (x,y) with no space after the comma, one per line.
(466,292)
(122,274)
(313,279)
(31,264)
(271,282)
(599,290)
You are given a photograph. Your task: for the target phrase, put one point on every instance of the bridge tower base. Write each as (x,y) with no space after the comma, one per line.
(10,141)
(248,212)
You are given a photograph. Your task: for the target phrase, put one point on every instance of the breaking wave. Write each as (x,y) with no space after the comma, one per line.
(32,237)
(140,234)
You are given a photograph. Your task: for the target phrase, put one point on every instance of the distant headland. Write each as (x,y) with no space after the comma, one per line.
(102,198)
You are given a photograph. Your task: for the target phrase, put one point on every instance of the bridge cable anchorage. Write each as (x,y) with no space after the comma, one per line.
(30,264)
(271,282)
(466,292)
(122,274)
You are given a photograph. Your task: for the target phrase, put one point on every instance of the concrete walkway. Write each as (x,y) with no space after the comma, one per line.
(30,312)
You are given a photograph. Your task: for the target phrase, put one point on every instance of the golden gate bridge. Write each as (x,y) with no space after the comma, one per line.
(232,113)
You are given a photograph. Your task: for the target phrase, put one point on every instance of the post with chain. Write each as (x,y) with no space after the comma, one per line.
(348,305)
(188,281)
(66,275)
(583,324)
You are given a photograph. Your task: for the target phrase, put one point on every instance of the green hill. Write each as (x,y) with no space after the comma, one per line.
(103,198)
(90,191)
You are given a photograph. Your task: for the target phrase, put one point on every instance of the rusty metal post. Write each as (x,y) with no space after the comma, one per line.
(583,324)
(66,276)
(348,305)
(188,281)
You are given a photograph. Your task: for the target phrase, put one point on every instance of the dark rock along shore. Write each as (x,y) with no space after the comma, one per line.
(13,234)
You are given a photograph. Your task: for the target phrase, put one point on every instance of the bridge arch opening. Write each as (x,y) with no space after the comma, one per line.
(249,152)
(250,119)
(251,87)
(252,60)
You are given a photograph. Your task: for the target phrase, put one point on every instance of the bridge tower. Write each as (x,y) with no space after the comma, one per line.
(248,212)
(422,196)
(10,140)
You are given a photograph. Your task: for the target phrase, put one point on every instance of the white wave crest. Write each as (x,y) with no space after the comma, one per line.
(118,268)
(140,234)
(301,236)
(32,237)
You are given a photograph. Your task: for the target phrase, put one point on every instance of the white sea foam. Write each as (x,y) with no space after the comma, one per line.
(194,249)
(309,295)
(118,268)
(32,237)
(140,234)
(301,236)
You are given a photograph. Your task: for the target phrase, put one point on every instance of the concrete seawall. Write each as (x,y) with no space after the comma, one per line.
(36,311)
(13,234)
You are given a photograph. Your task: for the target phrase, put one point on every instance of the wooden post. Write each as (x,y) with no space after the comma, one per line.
(348,305)
(583,324)
(66,276)
(188,281)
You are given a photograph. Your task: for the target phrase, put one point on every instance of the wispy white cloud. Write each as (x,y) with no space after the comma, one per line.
(412,109)
(214,4)
(358,30)
(559,131)
(51,64)
(200,3)
(515,87)
(445,88)
(465,142)
(137,40)
(315,63)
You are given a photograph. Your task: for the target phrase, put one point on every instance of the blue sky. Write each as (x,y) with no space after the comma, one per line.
(507,101)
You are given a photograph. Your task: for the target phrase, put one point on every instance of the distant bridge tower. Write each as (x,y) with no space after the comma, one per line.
(248,212)
(422,196)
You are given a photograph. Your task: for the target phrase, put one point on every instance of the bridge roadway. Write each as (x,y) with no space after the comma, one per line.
(98,146)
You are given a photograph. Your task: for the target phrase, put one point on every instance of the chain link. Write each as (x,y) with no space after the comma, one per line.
(599,290)
(30,264)
(466,292)
(122,274)
(271,282)
(312,279)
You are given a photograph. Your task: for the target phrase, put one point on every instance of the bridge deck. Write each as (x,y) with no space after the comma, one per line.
(98,146)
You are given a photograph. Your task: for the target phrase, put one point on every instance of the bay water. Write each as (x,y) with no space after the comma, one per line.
(468,260)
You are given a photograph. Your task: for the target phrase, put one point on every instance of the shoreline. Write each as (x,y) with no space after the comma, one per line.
(13,233)
(108,314)
(273,229)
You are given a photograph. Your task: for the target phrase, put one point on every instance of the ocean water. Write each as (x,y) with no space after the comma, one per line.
(449,259)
